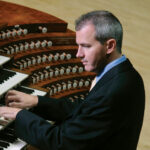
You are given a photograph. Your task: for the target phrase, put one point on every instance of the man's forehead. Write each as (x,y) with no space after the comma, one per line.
(87,33)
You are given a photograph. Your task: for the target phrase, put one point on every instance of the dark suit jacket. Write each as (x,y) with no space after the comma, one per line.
(110,118)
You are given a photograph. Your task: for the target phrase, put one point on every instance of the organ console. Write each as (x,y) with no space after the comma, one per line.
(38,57)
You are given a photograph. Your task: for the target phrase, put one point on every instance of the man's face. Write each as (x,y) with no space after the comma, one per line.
(91,51)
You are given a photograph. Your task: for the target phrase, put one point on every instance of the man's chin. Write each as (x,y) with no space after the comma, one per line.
(88,69)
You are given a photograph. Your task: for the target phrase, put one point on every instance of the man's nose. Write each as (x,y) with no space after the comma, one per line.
(80,53)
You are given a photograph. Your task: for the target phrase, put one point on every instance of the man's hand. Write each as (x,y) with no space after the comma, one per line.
(20,100)
(9,112)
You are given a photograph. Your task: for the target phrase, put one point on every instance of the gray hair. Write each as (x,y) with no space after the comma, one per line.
(107,26)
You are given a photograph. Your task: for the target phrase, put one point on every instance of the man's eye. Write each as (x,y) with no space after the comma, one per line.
(86,46)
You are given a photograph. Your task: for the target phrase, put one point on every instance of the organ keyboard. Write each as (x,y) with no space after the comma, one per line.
(8,141)
(43,60)
(10,79)
(4,122)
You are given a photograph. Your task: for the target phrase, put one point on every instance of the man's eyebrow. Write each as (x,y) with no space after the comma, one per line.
(83,43)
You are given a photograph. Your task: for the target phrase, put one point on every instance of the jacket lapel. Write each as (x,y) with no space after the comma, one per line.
(123,67)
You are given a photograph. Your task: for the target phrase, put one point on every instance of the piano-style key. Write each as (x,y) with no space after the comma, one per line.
(31,91)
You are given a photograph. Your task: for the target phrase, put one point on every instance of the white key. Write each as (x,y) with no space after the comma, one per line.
(17,145)
(4,59)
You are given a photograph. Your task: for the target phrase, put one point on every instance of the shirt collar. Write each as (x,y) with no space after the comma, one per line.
(111,65)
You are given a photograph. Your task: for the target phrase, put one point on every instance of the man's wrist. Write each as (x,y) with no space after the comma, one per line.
(35,100)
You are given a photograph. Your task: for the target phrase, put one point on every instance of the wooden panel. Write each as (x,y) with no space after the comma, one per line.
(29,18)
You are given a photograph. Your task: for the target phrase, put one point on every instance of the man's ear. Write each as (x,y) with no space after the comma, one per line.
(110,45)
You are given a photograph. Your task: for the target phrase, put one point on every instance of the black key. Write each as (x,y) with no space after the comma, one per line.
(25,90)
(4,144)
(1,148)
(5,75)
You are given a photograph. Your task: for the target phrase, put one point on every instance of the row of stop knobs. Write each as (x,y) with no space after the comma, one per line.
(20,47)
(52,73)
(17,31)
(59,87)
(36,60)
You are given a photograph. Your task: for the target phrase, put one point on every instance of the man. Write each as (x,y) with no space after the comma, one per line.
(111,116)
